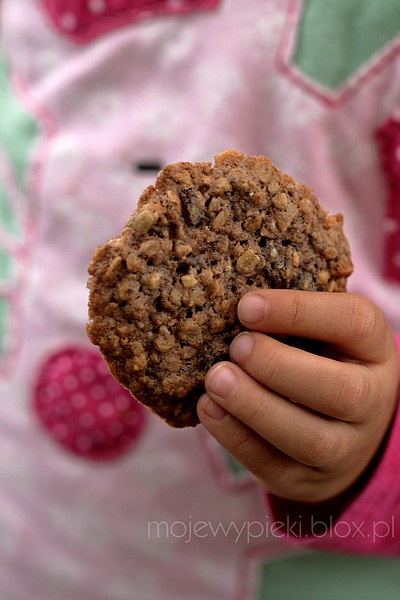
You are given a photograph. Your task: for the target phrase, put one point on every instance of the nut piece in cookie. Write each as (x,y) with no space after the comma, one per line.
(163,295)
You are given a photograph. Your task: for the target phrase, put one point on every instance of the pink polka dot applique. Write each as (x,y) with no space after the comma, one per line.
(85,20)
(83,408)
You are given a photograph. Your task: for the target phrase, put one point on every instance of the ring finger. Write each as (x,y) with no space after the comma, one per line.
(307,437)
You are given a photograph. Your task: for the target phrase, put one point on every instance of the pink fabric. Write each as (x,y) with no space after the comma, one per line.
(340,95)
(160,90)
(83,408)
(389,144)
(85,20)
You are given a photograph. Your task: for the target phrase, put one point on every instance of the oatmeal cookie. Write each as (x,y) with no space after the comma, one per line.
(163,295)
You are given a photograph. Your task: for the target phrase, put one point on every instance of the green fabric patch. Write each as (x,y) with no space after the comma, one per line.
(318,575)
(8,218)
(336,38)
(18,132)
(234,467)
(5,265)
(17,128)
(4,316)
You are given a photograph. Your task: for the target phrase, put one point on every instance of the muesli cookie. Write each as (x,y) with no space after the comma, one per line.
(163,295)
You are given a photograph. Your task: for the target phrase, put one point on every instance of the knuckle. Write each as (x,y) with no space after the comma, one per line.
(351,396)
(359,398)
(318,450)
(340,396)
(275,468)
(366,320)
(295,313)
(255,412)
(271,368)
(241,441)
(326,449)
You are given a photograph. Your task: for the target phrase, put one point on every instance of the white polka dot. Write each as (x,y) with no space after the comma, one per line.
(48,414)
(60,431)
(78,400)
(131,419)
(96,6)
(51,391)
(87,375)
(97,436)
(86,420)
(70,383)
(80,357)
(65,363)
(112,386)
(115,429)
(83,443)
(98,392)
(122,402)
(68,21)
(63,408)
(101,368)
(106,409)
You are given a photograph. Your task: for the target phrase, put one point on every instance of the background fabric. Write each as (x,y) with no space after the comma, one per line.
(85,103)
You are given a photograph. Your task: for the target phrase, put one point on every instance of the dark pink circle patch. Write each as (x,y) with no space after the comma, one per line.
(83,408)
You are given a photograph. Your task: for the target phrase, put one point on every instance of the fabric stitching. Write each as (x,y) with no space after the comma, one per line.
(332,99)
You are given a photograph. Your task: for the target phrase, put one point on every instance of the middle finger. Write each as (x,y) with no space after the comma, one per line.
(338,389)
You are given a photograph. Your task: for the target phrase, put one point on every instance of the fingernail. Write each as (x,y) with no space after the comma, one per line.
(241,347)
(251,309)
(221,381)
(212,409)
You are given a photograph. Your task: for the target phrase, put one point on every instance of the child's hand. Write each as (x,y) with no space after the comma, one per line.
(305,425)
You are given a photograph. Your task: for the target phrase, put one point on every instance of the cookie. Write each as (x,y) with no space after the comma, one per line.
(163,295)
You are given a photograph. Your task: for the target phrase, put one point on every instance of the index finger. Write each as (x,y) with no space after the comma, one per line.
(350,322)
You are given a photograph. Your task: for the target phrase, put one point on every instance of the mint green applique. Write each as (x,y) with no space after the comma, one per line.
(324,576)
(8,218)
(336,38)
(4,318)
(18,132)
(5,266)
(234,467)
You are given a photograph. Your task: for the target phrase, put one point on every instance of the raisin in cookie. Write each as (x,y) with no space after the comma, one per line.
(163,296)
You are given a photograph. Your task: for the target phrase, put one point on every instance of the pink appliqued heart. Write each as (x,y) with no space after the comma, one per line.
(85,20)
(83,408)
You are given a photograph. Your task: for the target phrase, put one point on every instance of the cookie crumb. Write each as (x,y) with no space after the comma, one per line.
(247,262)
(144,221)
